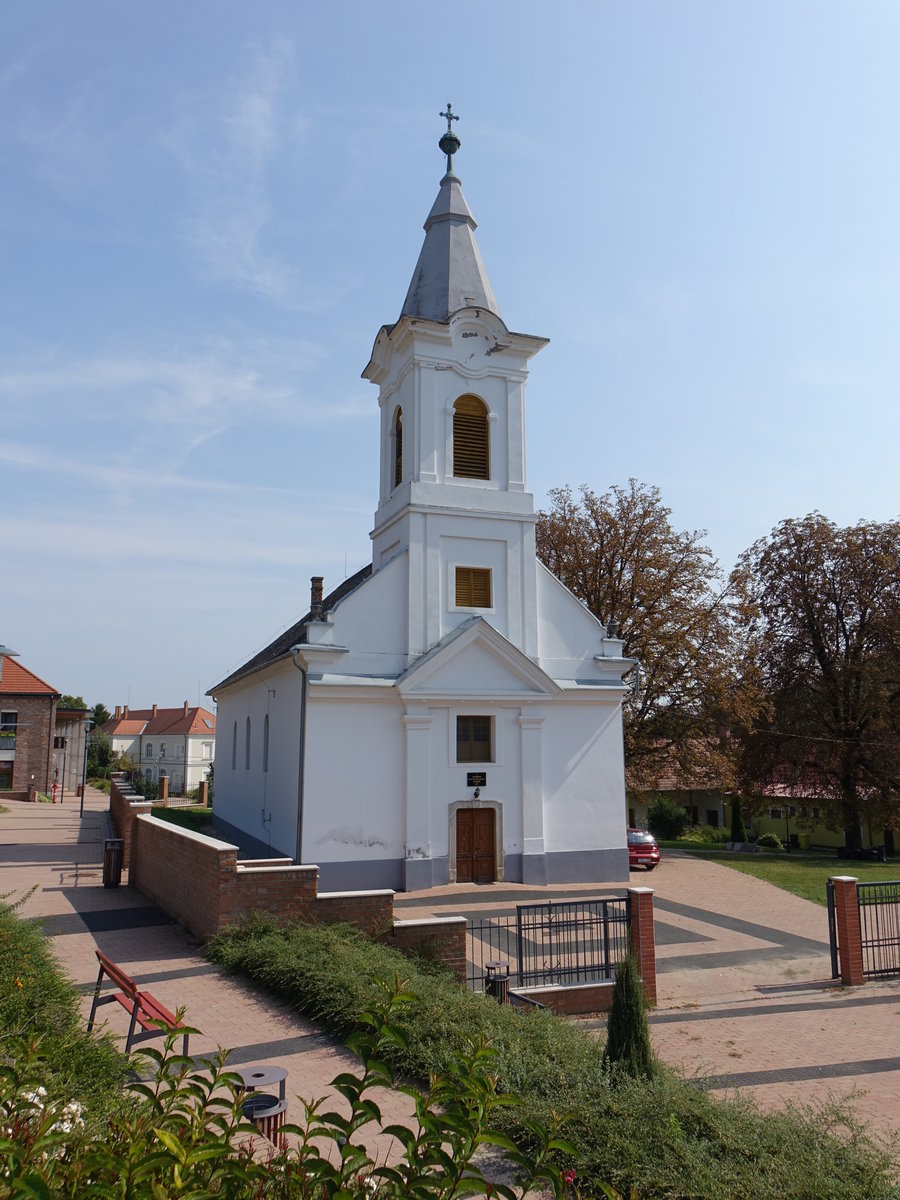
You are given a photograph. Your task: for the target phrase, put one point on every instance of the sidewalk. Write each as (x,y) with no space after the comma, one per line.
(52,849)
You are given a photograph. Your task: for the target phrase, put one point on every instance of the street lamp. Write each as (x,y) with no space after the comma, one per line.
(87,734)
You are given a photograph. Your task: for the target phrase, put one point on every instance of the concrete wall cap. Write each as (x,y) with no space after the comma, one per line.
(843,878)
(280,869)
(412,922)
(353,895)
(212,843)
(641,891)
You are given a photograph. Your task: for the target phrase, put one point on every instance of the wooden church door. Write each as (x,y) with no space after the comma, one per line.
(476,846)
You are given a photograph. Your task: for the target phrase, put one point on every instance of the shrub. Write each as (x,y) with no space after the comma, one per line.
(706,835)
(39,1006)
(666,818)
(738,828)
(770,841)
(627,1032)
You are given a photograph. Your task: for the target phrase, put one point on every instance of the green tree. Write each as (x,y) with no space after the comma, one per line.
(101,715)
(71,702)
(667,818)
(822,608)
(620,554)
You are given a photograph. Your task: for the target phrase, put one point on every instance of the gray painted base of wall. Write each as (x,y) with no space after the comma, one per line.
(419,874)
(587,866)
(534,869)
(423,873)
(248,845)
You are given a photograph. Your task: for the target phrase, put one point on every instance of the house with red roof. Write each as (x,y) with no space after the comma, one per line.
(27,728)
(174,743)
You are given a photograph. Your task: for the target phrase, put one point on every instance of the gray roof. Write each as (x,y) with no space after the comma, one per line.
(450,273)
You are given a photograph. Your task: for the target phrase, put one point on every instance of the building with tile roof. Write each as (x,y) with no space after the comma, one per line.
(27,728)
(178,743)
(451,712)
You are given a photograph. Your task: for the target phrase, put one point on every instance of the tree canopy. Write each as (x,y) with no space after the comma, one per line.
(71,702)
(620,554)
(822,606)
(101,715)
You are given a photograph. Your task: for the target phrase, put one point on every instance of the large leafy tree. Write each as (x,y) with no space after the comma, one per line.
(620,554)
(101,714)
(71,702)
(823,628)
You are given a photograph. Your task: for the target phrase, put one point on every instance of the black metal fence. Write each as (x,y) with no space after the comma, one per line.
(550,943)
(879,929)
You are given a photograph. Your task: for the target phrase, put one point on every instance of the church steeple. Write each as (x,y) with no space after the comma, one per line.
(450,273)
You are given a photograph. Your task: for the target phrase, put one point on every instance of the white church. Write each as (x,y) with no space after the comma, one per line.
(450,713)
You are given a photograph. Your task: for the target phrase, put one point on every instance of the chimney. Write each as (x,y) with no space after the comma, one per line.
(186,708)
(125,711)
(154,712)
(315,597)
(118,711)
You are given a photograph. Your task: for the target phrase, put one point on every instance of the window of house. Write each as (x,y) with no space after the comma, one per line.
(247,746)
(632,823)
(162,750)
(776,814)
(59,742)
(471,445)
(266,743)
(234,747)
(712,817)
(398,448)
(8,723)
(206,751)
(148,750)
(473,587)
(474,739)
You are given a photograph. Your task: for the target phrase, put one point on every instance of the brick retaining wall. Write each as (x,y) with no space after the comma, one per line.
(200,882)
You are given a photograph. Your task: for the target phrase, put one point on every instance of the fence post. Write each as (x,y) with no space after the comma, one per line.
(643,941)
(846,916)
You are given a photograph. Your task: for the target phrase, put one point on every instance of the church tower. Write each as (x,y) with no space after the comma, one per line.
(453,491)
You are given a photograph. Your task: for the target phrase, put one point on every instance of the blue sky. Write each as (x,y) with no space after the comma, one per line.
(209,209)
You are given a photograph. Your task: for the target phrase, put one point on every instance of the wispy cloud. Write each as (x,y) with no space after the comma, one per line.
(226,168)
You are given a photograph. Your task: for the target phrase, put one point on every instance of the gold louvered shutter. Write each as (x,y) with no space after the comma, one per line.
(471,457)
(473,587)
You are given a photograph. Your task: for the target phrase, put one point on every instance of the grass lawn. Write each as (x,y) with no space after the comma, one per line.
(799,872)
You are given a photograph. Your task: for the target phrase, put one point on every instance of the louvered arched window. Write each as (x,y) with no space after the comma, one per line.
(398,447)
(471,448)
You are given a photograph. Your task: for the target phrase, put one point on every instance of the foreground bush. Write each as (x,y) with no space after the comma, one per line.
(38,1005)
(666,1137)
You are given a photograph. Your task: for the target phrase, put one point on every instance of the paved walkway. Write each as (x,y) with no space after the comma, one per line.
(745,995)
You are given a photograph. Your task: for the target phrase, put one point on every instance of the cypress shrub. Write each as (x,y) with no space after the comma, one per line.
(627,1032)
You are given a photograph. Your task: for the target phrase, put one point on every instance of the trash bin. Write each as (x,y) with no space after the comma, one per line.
(267,1114)
(497,981)
(804,841)
(113,852)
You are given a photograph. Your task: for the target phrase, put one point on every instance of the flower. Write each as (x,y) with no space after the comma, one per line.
(568,1177)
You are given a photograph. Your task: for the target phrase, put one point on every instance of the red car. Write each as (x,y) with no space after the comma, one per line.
(642,849)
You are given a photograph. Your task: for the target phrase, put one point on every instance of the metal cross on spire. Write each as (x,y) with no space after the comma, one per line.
(450,115)
(449,142)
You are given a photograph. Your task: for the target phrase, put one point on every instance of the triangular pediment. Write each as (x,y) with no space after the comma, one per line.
(475,660)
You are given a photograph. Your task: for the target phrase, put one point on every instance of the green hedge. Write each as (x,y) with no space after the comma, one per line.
(37,1003)
(666,1137)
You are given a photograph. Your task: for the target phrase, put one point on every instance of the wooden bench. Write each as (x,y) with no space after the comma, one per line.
(144,1009)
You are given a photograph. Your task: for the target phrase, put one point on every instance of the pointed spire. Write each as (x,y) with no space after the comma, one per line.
(450,273)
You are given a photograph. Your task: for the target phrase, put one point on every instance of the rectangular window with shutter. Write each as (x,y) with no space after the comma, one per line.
(474,739)
(473,587)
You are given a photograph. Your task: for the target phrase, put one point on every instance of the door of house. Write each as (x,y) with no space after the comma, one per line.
(476,846)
